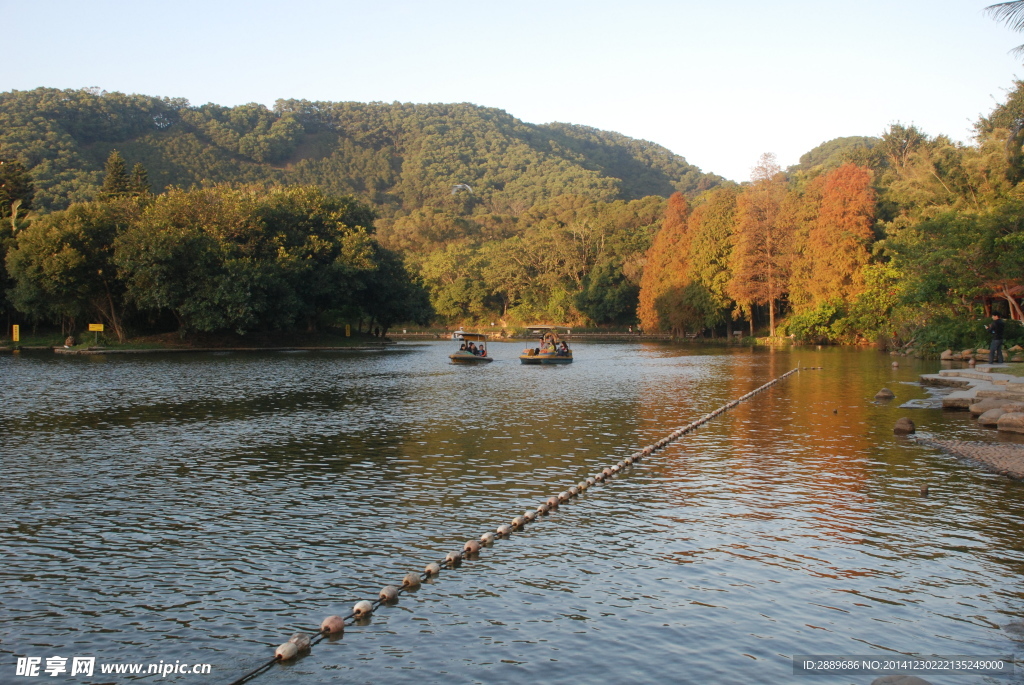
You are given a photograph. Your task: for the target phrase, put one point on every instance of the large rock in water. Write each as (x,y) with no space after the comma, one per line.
(967,354)
(991,417)
(884,394)
(904,426)
(1011,421)
(947,355)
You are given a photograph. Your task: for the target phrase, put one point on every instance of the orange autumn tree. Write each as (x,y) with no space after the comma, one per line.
(665,267)
(835,249)
(761,242)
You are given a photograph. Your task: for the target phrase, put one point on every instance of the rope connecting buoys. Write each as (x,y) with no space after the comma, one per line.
(334,625)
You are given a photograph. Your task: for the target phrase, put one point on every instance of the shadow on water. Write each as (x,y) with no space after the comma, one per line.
(204,508)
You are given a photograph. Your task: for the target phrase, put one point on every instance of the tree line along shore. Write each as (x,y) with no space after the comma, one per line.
(151,216)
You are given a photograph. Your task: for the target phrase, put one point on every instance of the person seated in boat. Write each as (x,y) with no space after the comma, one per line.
(563,350)
(462,347)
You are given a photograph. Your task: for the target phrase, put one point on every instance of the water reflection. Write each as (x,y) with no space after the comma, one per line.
(203,508)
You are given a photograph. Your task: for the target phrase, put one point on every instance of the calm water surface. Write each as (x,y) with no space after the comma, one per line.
(203,508)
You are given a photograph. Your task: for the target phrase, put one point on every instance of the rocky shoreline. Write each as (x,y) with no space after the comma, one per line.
(997,400)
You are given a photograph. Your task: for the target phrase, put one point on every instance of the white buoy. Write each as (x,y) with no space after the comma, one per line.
(332,625)
(286,652)
(362,609)
(543,509)
(471,547)
(518,522)
(530,516)
(552,502)
(504,530)
(389,594)
(487,538)
(582,485)
(564,497)
(453,558)
(591,481)
(432,569)
(411,580)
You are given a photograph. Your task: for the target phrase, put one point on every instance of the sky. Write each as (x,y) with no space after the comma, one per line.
(718,83)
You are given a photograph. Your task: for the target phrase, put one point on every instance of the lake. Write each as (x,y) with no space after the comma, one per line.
(202,508)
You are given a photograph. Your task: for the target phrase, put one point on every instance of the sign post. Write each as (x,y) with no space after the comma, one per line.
(348,330)
(15,333)
(96,328)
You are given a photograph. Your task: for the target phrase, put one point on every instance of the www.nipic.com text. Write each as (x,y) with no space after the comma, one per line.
(30,666)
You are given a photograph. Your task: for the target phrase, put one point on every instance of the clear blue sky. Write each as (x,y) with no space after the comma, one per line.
(719,83)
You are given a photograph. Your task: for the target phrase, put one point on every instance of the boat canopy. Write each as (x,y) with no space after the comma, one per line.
(474,337)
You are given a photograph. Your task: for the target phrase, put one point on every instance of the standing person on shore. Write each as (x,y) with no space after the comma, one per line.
(995,348)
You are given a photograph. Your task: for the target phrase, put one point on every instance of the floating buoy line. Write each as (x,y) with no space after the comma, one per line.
(334,626)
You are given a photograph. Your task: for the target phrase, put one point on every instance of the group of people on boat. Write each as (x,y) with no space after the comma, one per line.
(473,349)
(547,346)
(550,344)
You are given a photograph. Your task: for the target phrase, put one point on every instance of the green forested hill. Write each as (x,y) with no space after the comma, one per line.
(399,157)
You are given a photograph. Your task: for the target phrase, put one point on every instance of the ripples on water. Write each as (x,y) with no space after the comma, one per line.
(204,508)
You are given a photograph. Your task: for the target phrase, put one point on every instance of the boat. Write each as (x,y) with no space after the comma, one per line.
(552,349)
(465,353)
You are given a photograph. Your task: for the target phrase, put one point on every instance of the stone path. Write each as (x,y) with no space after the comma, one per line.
(1002,458)
(982,382)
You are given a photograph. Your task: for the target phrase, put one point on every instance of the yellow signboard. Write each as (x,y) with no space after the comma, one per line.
(16,333)
(348,330)
(98,327)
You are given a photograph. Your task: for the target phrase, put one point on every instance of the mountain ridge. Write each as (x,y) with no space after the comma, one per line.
(399,156)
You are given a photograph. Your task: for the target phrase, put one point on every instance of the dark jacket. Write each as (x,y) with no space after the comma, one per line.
(996,329)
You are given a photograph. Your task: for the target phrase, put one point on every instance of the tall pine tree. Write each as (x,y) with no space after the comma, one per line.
(116,182)
(666,264)
(140,180)
(761,242)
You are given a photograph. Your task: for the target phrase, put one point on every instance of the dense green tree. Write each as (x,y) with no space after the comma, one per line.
(16,190)
(246,258)
(957,257)
(63,265)
(711,228)
(390,295)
